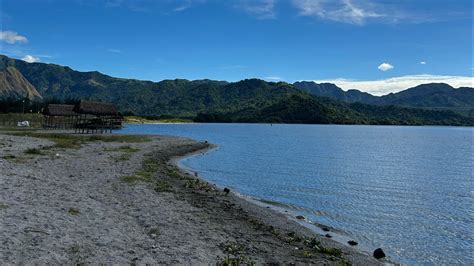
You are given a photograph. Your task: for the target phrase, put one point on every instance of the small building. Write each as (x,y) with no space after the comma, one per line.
(84,117)
(59,116)
(94,117)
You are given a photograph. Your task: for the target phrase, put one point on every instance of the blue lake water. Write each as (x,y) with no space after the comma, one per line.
(409,190)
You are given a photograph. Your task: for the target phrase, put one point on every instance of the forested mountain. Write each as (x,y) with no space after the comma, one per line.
(250,100)
(332,91)
(305,109)
(439,96)
(434,95)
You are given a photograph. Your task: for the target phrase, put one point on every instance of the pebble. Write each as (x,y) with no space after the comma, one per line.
(352,243)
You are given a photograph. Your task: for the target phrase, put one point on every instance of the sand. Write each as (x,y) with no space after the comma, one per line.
(68,206)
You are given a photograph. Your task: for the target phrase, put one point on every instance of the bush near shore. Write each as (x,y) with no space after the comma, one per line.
(155,119)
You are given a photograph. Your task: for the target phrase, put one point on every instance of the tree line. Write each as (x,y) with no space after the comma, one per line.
(25,105)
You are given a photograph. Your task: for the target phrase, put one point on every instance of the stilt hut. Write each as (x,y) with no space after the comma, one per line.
(59,116)
(96,117)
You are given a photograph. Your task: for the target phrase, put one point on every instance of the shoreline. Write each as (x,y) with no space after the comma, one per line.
(124,202)
(295,124)
(314,227)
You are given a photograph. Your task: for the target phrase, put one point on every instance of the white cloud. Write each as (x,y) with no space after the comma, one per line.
(338,10)
(181,8)
(385,67)
(113,3)
(233,67)
(262,9)
(149,6)
(116,51)
(422,63)
(185,5)
(273,78)
(12,37)
(30,59)
(396,84)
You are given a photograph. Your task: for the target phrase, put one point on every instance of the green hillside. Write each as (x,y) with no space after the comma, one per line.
(306,109)
(250,100)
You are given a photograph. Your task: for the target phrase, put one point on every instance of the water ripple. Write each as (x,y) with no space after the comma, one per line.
(409,190)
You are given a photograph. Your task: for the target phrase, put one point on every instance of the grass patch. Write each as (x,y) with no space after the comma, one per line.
(237,261)
(315,245)
(68,141)
(274,232)
(191,183)
(127,151)
(162,186)
(312,243)
(175,174)
(331,251)
(144,174)
(307,254)
(117,138)
(15,159)
(197,184)
(233,248)
(65,143)
(10,120)
(154,232)
(123,157)
(34,151)
(293,237)
(235,255)
(17,129)
(9,157)
(73,211)
(343,262)
(256,224)
(149,165)
(124,148)
(129,179)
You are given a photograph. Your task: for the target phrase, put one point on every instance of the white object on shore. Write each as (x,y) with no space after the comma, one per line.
(23,124)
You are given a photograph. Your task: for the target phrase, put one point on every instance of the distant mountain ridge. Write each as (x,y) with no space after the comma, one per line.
(304,109)
(430,96)
(250,100)
(170,97)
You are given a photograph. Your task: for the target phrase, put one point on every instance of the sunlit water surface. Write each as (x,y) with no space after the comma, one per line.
(408,190)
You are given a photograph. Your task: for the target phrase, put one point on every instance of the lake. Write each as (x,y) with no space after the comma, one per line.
(409,190)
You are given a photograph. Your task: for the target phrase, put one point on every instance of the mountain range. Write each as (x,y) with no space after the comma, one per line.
(250,100)
(438,96)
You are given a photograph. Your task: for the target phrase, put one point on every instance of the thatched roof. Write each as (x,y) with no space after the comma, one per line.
(59,110)
(95,108)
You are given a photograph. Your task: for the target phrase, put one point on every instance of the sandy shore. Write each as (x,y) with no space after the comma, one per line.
(82,205)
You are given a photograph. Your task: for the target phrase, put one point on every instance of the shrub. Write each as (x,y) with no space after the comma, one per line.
(33,151)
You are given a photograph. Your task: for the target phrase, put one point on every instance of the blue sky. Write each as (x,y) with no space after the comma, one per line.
(345,41)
